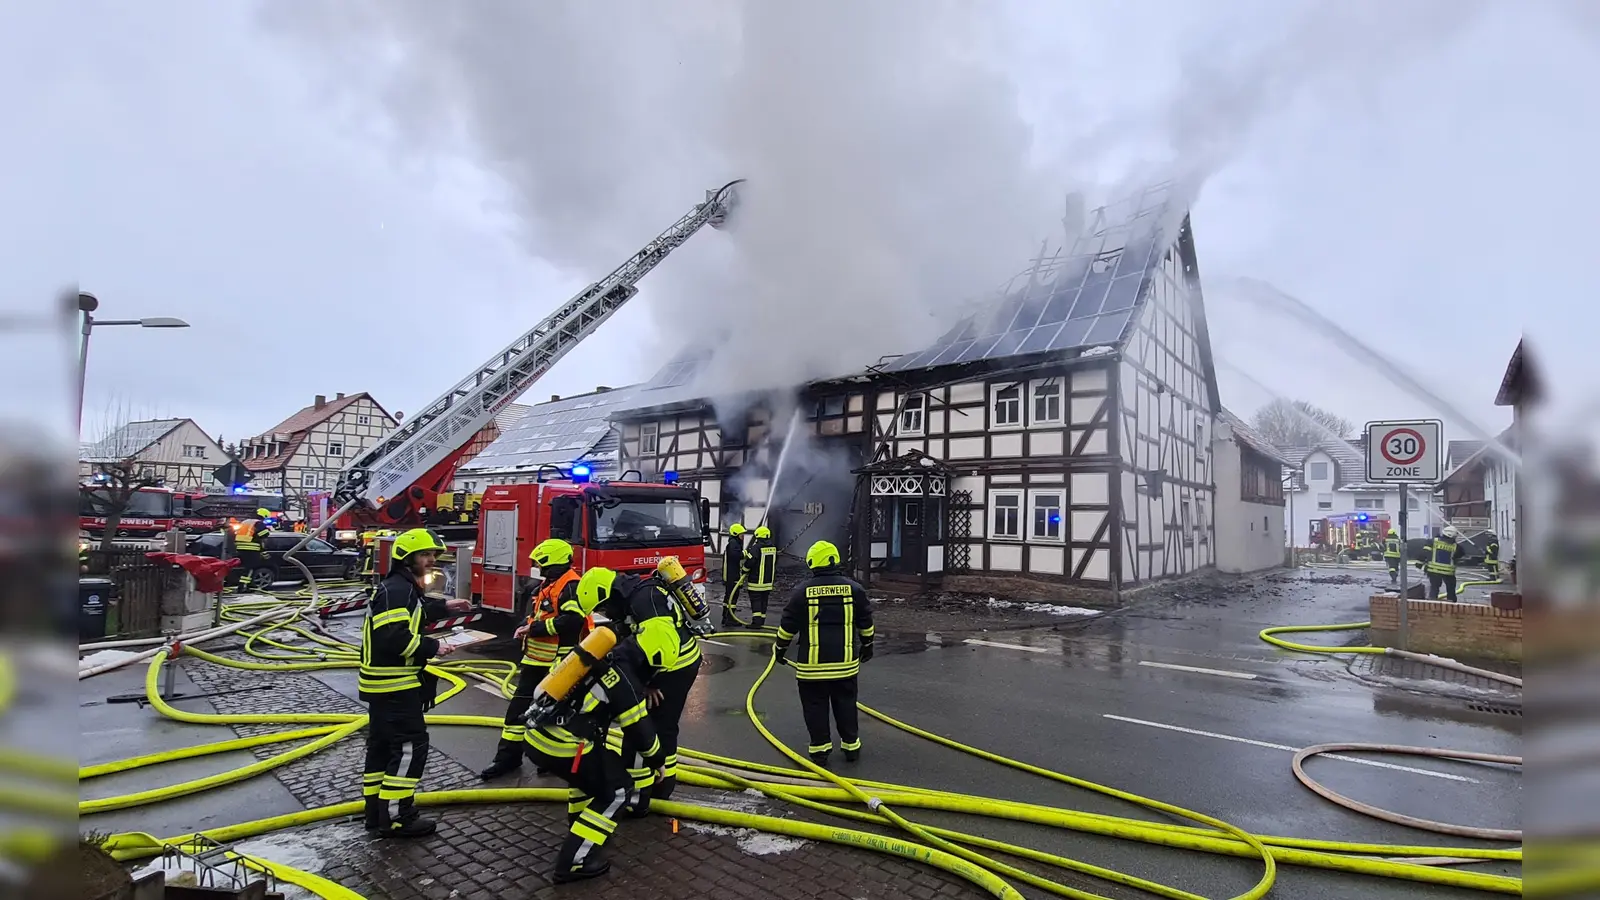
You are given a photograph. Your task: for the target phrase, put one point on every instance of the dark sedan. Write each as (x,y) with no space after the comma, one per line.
(323,559)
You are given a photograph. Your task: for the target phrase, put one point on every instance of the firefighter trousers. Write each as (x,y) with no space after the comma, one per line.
(1394,567)
(758,607)
(1435,579)
(730,600)
(597,793)
(513,730)
(665,716)
(817,698)
(397,749)
(249,562)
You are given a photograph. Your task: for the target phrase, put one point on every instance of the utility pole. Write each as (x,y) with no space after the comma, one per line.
(1405,563)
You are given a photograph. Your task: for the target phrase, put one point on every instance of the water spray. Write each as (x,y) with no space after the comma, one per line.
(777,471)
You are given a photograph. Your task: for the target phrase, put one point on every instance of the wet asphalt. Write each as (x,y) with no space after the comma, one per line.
(1174,699)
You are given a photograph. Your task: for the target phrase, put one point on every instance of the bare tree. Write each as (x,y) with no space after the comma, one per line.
(116,473)
(1296,423)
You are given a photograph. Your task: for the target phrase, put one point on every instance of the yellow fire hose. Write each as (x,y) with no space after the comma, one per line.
(942,848)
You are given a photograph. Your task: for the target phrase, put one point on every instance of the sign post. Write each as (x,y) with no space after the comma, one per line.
(1405,453)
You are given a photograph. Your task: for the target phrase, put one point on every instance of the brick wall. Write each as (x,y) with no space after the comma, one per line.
(1457,630)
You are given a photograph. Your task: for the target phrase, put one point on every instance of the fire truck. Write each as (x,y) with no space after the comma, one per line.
(151,511)
(1351,531)
(626,525)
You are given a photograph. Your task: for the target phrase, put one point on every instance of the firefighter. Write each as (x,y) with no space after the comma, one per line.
(83,555)
(827,613)
(1441,565)
(554,626)
(1392,555)
(247,538)
(397,691)
(636,602)
(1491,558)
(732,574)
(760,571)
(598,786)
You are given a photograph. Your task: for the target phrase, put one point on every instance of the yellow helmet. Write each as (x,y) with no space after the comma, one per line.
(551,552)
(594,588)
(658,638)
(736,528)
(263,512)
(821,555)
(417,540)
(763,532)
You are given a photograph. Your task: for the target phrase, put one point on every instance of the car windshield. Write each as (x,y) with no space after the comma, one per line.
(645,522)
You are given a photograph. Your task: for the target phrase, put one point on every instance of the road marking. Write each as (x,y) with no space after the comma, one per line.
(1223,672)
(489,689)
(1288,749)
(1009,646)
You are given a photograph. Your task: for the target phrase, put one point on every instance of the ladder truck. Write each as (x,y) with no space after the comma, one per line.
(627,525)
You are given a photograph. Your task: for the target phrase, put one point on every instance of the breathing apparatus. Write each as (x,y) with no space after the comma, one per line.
(559,698)
(686,594)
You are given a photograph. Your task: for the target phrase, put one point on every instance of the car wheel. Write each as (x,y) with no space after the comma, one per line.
(349,573)
(262,578)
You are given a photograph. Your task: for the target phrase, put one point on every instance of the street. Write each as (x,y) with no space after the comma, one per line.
(1173,698)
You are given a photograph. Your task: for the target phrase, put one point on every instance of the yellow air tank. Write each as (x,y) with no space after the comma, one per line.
(685,594)
(571,670)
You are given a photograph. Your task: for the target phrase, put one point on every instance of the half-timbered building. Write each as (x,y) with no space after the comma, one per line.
(1061,434)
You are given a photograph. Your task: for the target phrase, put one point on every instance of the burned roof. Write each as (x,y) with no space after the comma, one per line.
(557,432)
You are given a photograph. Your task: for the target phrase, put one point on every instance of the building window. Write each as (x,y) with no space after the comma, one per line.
(831,406)
(310,480)
(649,438)
(1324,501)
(1369,503)
(1007,506)
(194,451)
(912,511)
(363,420)
(913,414)
(1413,503)
(1317,471)
(1188,529)
(1264,525)
(335,448)
(1047,402)
(1008,405)
(1045,523)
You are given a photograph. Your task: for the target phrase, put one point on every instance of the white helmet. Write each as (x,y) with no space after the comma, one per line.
(1451,532)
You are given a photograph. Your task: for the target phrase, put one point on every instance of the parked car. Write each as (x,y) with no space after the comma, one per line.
(323,559)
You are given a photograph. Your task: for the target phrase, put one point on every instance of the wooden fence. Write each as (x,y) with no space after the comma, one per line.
(139,585)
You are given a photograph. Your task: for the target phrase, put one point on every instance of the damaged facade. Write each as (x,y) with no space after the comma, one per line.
(1063,434)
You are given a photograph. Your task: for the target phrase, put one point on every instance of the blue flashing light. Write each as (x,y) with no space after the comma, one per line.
(239,489)
(1362,517)
(580,473)
(669,477)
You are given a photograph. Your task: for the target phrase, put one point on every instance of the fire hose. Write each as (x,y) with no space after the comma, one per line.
(808,787)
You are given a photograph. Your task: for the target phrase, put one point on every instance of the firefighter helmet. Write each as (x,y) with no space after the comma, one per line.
(736,528)
(263,512)
(821,555)
(763,532)
(417,540)
(551,552)
(594,588)
(658,638)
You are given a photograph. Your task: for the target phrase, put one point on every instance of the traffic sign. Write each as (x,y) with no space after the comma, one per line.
(231,473)
(1405,452)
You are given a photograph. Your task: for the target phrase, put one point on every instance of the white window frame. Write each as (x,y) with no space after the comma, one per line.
(1321,501)
(995,401)
(1369,503)
(649,439)
(310,480)
(1017,497)
(363,420)
(914,415)
(194,451)
(1060,496)
(1310,471)
(336,448)
(1043,390)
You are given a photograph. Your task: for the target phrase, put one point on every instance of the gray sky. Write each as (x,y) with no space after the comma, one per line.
(334,214)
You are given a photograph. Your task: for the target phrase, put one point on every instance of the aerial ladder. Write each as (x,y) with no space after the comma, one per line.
(409,467)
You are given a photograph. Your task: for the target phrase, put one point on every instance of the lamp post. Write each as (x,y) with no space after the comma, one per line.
(87,304)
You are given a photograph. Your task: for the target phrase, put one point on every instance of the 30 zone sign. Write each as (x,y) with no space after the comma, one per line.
(1405,452)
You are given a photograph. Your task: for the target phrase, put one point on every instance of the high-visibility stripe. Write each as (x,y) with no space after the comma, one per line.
(812,631)
(387,685)
(630,716)
(598,822)
(551,745)
(370,783)
(849,627)
(820,748)
(785,634)
(688,654)
(587,832)
(826,671)
(390,615)
(851,745)
(868,631)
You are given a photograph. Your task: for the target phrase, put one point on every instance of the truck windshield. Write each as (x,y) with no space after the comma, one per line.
(646,522)
(148,504)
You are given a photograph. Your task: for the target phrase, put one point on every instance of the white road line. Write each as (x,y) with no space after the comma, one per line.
(1288,749)
(489,689)
(1010,646)
(1223,672)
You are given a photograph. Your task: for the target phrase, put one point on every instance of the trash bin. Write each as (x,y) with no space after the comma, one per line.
(94,602)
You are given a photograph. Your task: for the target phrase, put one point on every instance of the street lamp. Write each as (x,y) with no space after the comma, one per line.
(87,304)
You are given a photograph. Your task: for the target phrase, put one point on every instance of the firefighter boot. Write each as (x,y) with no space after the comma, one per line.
(638,804)
(663,789)
(568,871)
(377,814)
(821,757)
(507,759)
(851,755)
(407,824)
(758,621)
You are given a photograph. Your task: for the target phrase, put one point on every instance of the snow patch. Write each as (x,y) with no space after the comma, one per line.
(1046,608)
(745,801)
(755,843)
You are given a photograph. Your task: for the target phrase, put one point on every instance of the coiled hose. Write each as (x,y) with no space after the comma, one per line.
(809,786)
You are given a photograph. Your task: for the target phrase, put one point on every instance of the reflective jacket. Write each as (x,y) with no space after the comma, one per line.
(1391,548)
(1442,556)
(733,560)
(638,600)
(1492,553)
(825,615)
(247,537)
(554,627)
(393,647)
(616,702)
(760,564)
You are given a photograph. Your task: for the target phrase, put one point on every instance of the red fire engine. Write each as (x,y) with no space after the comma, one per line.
(150,511)
(1352,531)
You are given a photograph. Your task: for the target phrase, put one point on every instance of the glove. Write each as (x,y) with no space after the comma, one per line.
(866,651)
(777,654)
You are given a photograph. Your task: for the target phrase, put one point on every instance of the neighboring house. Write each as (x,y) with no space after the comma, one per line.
(308,450)
(1330,479)
(1522,389)
(560,432)
(177,452)
(1250,502)
(1061,435)
(1463,492)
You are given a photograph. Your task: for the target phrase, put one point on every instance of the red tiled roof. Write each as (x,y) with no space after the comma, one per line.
(296,427)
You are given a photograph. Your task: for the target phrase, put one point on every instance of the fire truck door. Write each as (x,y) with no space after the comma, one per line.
(500,555)
(566,522)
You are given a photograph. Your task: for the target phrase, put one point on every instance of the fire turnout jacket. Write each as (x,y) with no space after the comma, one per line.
(825,615)
(616,702)
(732,560)
(394,650)
(638,600)
(760,564)
(555,624)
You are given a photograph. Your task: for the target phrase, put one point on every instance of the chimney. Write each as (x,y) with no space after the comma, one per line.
(554,397)
(339,396)
(321,401)
(602,389)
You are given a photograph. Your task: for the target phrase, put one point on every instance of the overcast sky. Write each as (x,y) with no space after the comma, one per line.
(1422,173)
